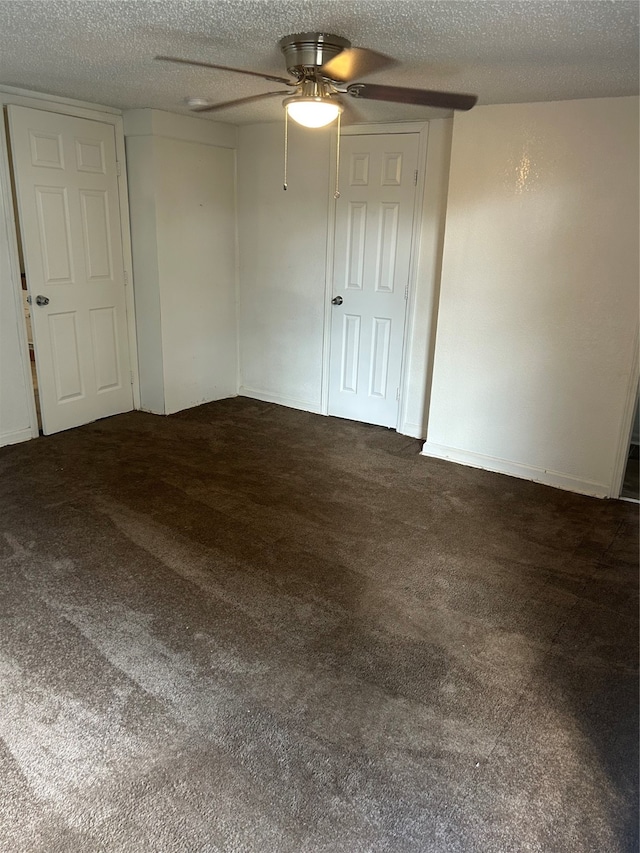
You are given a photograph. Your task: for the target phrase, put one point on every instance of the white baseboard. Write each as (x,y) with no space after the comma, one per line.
(412,430)
(16,437)
(290,402)
(516,469)
(171,411)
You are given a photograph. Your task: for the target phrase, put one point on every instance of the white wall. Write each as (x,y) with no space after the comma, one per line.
(283,259)
(539,293)
(141,170)
(536,316)
(181,173)
(422,333)
(283,245)
(17,410)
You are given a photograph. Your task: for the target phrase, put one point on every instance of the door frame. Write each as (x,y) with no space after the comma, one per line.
(93,112)
(422,129)
(624,440)
(14,267)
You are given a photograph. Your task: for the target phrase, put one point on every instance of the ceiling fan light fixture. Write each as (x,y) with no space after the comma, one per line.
(312,112)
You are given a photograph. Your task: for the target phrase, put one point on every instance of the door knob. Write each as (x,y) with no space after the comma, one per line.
(337,300)
(42,300)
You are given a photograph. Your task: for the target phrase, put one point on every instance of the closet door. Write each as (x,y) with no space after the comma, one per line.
(373,236)
(67,189)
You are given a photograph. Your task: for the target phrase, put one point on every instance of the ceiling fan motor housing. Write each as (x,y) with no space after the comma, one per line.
(305,52)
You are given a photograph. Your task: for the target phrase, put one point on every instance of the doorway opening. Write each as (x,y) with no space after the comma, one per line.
(65,188)
(32,355)
(631,482)
(24,288)
(374,226)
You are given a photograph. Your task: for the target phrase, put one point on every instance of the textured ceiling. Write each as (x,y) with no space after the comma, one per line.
(504,51)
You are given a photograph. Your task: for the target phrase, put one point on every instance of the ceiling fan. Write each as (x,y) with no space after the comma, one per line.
(322,67)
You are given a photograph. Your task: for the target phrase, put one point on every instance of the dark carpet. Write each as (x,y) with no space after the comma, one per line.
(248,628)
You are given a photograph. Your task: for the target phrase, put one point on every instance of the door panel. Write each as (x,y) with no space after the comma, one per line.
(381,338)
(356,245)
(96,234)
(105,349)
(65,352)
(54,230)
(350,353)
(373,234)
(387,247)
(67,188)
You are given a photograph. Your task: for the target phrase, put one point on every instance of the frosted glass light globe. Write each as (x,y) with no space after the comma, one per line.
(313,112)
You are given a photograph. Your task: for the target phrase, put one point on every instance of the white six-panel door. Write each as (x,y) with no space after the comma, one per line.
(373,234)
(67,190)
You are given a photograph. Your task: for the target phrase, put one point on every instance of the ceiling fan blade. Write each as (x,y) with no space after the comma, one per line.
(270,77)
(355,62)
(423,97)
(250,100)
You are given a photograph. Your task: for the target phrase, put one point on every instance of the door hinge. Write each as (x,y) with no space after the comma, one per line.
(125,276)
(397,393)
(415,178)
(406,291)
(131,376)
(118,168)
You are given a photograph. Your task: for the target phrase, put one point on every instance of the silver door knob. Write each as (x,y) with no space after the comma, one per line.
(42,300)
(337,300)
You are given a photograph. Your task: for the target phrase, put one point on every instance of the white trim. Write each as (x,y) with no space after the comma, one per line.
(14,264)
(107,115)
(328,287)
(127,259)
(289,402)
(386,128)
(515,469)
(54,104)
(414,258)
(422,130)
(16,437)
(624,440)
(412,430)
(30,95)
(236,282)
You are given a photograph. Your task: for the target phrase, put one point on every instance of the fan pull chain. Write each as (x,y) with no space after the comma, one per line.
(286,147)
(336,194)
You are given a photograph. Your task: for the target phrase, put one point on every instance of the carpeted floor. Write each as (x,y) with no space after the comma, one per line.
(247,628)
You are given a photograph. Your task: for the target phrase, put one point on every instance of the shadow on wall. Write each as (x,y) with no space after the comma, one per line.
(274,364)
